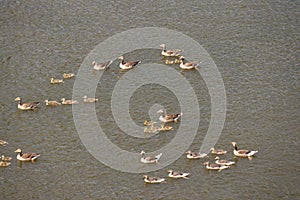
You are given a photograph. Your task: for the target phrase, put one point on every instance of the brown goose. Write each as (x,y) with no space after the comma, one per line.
(26,156)
(169,53)
(127,65)
(26,106)
(242,152)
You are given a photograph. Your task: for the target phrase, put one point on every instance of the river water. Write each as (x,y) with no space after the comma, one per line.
(255,46)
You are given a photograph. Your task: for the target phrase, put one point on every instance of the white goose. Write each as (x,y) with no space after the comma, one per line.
(169,53)
(152,179)
(101,66)
(127,65)
(168,117)
(173,174)
(214,166)
(195,155)
(242,152)
(223,162)
(26,106)
(188,65)
(149,159)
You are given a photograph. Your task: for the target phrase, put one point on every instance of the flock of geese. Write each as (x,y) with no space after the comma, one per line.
(218,165)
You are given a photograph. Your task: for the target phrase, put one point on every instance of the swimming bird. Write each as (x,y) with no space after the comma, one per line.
(188,65)
(68,102)
(89,100)
(101,66)
(26,156)
(52,103)
(4,164)
(214,166)
(54,81)
(149,159)
(173,174)
(152,179)
(5,158)
(168,117)
(149,123)
(169,53)
(68,75)
(242,152)
(217,151)
(195,155)
(2,142)
(26,106)
(223,162)
(127,65)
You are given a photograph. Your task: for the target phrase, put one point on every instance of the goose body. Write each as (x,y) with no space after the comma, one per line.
(4,164)
(150,159)
(223,162)
(194,155)
(242,152)
(173,174)
(217,151)
(89,100)
(68,102)
(52,103)
(127,65)
(101,66)
(26,106)
(54,81)
(5,158)
(169,53)
(152,179)
(26,156)
(168,117)
(188,65)
(214,166)
(68,75)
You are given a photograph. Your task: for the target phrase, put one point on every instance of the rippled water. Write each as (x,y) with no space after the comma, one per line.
(255,46)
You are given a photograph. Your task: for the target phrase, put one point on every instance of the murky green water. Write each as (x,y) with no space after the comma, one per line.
(255,46)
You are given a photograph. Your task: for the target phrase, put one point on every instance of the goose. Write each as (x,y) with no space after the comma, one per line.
(214,166)
(165,128)
(26,156)
(68,102)
(5,158)
(68,75)
(4,164)
(169,53)
(149,159)
(223,162)
(52,103)
(152,179)
(188,65)
(242,152)
(168,117)
(89,100)
(149,123)
(127,65)
(2,142)
(169,62)
(217,151)
(194,155)
(54,81)
(173,174)
(101,66)
(26,106)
